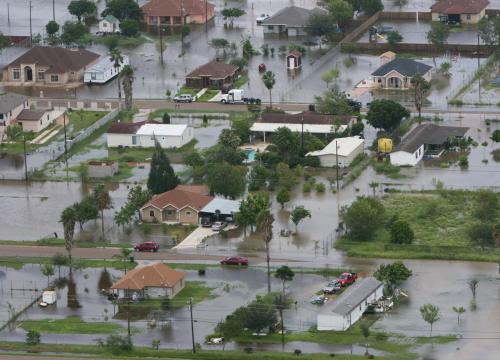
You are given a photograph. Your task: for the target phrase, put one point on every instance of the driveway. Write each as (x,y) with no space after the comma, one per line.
(195,238)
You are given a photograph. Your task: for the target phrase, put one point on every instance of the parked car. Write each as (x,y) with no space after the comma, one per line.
(332,287)
(187,98)
(318,299)
(234,260)
(219,225)
(384,29)
(147,246)
(354,105)
(261,18)
(206,222)
(346,279)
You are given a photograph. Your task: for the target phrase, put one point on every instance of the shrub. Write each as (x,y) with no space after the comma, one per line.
(32,337)
(306,187)
(119,343)
(456,102)
(320,187)
(463,162)
(297,352)
(401,233)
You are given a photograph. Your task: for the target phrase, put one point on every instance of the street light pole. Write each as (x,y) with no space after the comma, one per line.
(161,45)
(25,158)
(31,29)
(337,162)
(478,68)
(54,10)
(192,324)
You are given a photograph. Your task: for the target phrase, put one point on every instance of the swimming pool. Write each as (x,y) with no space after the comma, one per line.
(250,156)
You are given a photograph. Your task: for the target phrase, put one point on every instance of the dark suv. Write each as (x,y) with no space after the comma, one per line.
(147,246)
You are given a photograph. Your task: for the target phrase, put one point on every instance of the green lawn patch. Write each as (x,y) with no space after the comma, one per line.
(79,120)
(18,262)
(208,95)
(242,80)
(121,41)
(187,90)
(70,325)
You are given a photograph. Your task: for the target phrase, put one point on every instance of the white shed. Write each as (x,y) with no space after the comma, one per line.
(145,134)
(104,71)
(344,150)
(409,157)
(109,25)
(350,306)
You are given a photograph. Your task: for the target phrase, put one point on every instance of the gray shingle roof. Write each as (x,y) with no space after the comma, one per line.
(429,134)
(406,67)
(292,16)
(354,295)
(9,101)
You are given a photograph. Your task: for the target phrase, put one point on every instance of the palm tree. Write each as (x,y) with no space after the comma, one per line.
(102,202)
(265,225)
(127,76)
(48,270)
(269,80)
(116,58)
(68,219)
(123,256)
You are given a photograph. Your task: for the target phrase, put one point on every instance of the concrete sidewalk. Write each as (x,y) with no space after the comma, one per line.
(195,238)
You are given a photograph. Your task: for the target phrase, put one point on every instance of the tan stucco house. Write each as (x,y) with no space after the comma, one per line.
(150,282)
(177,12)
(49,66)
(11,105)
(459,11)
(37,120)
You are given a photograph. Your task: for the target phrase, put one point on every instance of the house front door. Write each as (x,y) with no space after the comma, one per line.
(28,74)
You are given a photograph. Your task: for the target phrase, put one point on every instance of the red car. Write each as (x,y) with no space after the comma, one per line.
(347,279)
(234,260)
(147,246)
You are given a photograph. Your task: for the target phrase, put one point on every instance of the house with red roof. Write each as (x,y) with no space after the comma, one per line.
(177,12)
(459,11)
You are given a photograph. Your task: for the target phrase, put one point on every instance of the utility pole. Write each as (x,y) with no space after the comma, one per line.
(337,162)
(161,45)
(128,313)
(192,324)
(302,136)
(31,29)
(478,69)
(206,16)
(8,13)
(280,309)
(54,10)
(25,159)
(65,137)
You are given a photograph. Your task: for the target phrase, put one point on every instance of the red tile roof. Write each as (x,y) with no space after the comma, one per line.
(459,6)
(156,275)
(173,7)
(214,69)
(197,189)
(180,199)
(295,53)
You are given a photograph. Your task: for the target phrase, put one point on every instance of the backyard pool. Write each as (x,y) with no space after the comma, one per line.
(250,156)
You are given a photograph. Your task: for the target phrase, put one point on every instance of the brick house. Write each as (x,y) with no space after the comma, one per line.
(214,74)
(48,66)
(459,11)
(177,12)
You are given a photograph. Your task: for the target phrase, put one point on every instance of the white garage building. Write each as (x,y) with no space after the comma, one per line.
(144,134)
(350,306)
(344,150)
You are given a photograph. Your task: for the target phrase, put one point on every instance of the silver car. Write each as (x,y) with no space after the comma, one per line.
(184,98)
(219,225)
(332,287)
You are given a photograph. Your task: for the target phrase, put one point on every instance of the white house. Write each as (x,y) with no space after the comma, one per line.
(104,70)
(144,134)
(109,25)
(344,311)
(344,150)
(37,120)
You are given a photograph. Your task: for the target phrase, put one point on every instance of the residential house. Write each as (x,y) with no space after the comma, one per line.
(459,11)
(214,74)
(177,12)
(291,21)
(157,281)
(347,309)
(307,121)
(37,120)
(220,210)
(340,152)
(11,105)
(175,206)
(109,25)
(104,70)
(48,66)
(102,168)
(396,73)
(428,139)
(145,133)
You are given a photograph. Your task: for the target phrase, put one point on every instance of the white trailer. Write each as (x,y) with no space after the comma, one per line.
(103,71)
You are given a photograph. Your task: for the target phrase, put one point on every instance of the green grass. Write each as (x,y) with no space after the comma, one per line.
(17,263)
(69,325)
(187,90)
(121,41)
(242,80)
(208,95)
(60,242)
(79,120)
(386,168)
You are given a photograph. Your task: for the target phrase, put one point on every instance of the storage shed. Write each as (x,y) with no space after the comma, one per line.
(350,306)
(342,151)
(294,60)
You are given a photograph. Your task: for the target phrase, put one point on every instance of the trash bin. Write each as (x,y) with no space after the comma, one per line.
(312,107)
(201,272)
(131,258)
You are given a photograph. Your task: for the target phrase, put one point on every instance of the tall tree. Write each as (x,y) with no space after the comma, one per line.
(421,88)
(459,311)
(231,14)
(394,37)
(265,222)
(82,9)
(363,218)
(333,102)
(321,25)
(438,35)
(161,175)
(298,214)
(74,33)
(489,30)
(392,275)
(371,7)
(386,114)
(127,76)
(123,9)
(284,273)
(283,197)
(52,28)
(340,10)
(123,256)
(59,260)
(226,180)
(228,138)
(430,314)
(116,58)
(68,219)
(102,202)
(85,210)
(269,80)
(48,271)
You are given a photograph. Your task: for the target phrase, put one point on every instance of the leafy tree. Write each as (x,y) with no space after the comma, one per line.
(129,27)
(127,76)
(357,128)
(386,114)
(14,132)
(118,343)
(241,126)
(68,219)
(250,209)
(48,271)
(489,30)
(231,14)
(330,75)
(123,9)
(333,102)
(340,10)
(226,180)
(283,197)
(394,37)
(116,58)
(371,7)
(247,48)
(269,80)
(4,41)
(285,176)
(161,175)
(82,9)
(230,328)
(321,25)
(420,89)
(486,207)
(438,35)
(363,218)
(445,69)
(459,311)
(137,197)
(228,138)
(482,234)
(430,314)
(258,315)
(298,214)
(239,62)
(265,222)
(401,232)
(185,31)
(155,344)
(123,256)
(85,210)
(52,28)
(393,274)
(284,273)
(219,44)
(32,337)
(287,143)
(73,32)
(495,136)
(59,260)
(102,202)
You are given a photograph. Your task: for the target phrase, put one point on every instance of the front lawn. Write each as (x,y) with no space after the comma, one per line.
(80,119)
(208,95)
(69,325)
(187,90)
(242,80)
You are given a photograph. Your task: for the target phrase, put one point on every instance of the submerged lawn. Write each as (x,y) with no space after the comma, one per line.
(70,325)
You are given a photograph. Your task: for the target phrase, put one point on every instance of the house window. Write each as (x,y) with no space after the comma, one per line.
(151,213)
(188,213)
(54,78)
(270,27)
(416,155)
(93,76)
(170,212)
(104,24)
(468,16)
(41,75)
(16,74)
